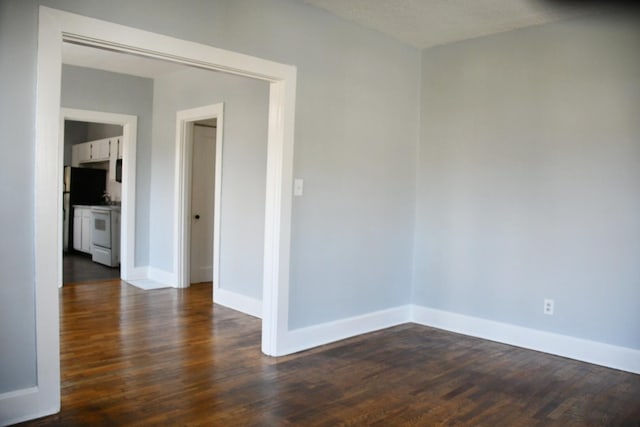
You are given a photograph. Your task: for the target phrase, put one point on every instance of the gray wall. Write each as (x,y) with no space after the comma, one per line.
(528,167)
(17,121)
(356,128)
(246,104)
(356,131)
(528,179)
(97,90)
(74,133)
(103,130)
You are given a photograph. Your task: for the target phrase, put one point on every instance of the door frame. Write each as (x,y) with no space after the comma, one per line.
(129,125)
(185,120)
(56,27)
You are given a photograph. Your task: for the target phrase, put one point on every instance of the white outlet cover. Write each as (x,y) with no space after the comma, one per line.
(548,307)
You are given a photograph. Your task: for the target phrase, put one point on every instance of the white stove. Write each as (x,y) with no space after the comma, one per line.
(105,243)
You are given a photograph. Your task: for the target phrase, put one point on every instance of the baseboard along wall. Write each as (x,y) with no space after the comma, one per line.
(611,356)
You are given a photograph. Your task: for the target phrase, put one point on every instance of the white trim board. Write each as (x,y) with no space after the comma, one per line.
(166,278)
(129,125)
(138,273)
(238,302)
(597,353)
(325,333)
(147,285)
(182,200)
(56,27)
(17,406)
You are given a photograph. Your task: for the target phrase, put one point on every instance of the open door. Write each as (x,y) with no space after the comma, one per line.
(203,173)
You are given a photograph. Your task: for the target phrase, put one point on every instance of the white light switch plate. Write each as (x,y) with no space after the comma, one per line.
(298,187)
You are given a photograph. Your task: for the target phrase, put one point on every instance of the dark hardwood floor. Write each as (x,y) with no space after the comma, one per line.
(171,357)
(78,267)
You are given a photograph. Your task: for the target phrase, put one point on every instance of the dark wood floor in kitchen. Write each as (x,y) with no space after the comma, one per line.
(171,357)
(78,267)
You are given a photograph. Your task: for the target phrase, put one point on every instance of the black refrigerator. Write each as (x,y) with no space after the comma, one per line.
(82,186)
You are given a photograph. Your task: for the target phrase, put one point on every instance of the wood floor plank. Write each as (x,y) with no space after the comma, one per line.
(171,357)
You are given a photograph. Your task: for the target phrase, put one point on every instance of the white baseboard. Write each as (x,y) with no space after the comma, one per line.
(163,277)
(598,353)
(22,405)
(238,302)
(149,278)
(147,284)
(313,336)
(611,356)
(136,273)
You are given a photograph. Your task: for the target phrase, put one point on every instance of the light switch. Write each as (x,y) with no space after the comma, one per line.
(298,187)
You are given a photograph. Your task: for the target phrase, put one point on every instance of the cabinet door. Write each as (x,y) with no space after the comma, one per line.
(80,153)
(75,155)
(119,143)
(100,150)
(77,229)
(87,228)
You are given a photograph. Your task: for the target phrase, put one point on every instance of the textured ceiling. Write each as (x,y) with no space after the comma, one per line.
(420,23)
(426,23)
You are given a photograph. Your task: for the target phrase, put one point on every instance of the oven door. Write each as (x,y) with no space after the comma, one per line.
(101,233)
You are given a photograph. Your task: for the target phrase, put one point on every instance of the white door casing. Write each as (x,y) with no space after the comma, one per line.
(182,193)
(56,27)
(203,173)
(128,144)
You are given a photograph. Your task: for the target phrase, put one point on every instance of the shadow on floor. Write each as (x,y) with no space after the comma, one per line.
(78,267)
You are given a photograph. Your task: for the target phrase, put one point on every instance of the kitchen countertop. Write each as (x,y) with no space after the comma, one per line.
(101,207)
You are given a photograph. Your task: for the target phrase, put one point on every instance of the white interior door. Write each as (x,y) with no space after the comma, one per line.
(202,199)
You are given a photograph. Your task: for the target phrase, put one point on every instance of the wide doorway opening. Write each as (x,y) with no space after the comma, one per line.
(57,27)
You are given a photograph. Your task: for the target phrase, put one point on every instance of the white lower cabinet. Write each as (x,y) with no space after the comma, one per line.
(77,229)
(86,230)
(82,228)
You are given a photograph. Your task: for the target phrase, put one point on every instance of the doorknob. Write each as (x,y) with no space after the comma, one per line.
(196,216)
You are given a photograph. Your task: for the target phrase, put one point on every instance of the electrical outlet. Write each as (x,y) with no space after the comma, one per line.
(548,307)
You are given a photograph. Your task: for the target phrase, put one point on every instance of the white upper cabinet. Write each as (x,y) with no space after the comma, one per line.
(100,150)
(80,153)
(96,151)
